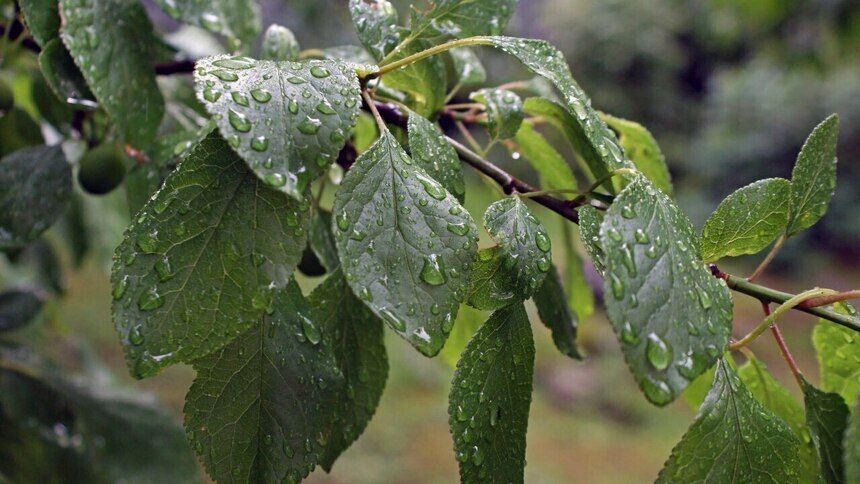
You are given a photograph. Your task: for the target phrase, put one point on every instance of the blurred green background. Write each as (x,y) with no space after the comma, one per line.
(730,89)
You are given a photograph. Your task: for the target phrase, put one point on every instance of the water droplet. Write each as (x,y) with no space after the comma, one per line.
(309,126)
(704,299)
(342,220)
(433,271)
(261,95)
(260,143)
(163,269)
(239,121)
(542,241)
(150,299)
(459,228)
(432,188)
(312,333)
(627,211)
(627,334)
(275,179)
(240,98)
(320,72)
(325,108)
(641,237)
(657,391)
(658,352)
(617,287)
(614,234)
(393,320)
(225,75)
(135,336)
(211,95)
(120,288)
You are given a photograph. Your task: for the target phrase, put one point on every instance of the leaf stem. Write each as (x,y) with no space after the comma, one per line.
(594,186)
(767,260)
(771,318)
(437,49)
(372,106)
(468,136)
(783,348)
(828,300)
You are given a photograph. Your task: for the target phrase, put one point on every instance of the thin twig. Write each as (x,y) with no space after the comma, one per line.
(771,318)
(783,348)
(768,259)
(828,300)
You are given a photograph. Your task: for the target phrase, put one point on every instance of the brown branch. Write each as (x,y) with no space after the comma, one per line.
(828,300)
(175,67)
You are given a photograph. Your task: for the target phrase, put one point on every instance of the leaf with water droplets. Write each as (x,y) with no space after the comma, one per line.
(357,338)
(642,149)
(262,408)
(423,82)
(589,230)
(279,44)
(838,352)
(747,221)
(405,244)
(552,169)
(375,22)
(813,179)
(672,316)
(851,444)
(504,111)
(288,120)
(462,18)
(35,185)
(198,265)
(470,71)
(427,146)
(827,419)
(556,315)
(777,399)
(238,20)
(733,439)
(488,407)
(493,284)
(523,240)
(588,134)
(113,43)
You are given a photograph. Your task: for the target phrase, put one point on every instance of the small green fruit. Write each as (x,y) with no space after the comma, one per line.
(7,98)
(101,169)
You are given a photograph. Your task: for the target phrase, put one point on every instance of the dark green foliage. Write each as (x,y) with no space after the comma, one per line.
(827,418)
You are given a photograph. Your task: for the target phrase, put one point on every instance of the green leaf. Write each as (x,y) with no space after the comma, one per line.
(642,149)
(279,44)
(35,185)
(491,392)
(405,243)
(470,71)
(838,354)
(813,179)
(84,432)
(553,171)
(590,137)
(376,25)
(589,230)
(63,76)
(42,18)
(463,18)
(504,111)
(198,265)
(427,146)
(238,20)
(261,408)
(733,439)
(288,120)
(827,418)
(321,240)
(423,82)
(113,43)
(18,130)
(18,307)
(672,316)
(777,399)
(493,284)
(357,338)
(747,221)
(852,445)
(580,296)
(556,315)
(523,239)
(468,321)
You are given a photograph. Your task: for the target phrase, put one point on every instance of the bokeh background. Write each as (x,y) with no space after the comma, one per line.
(729,88)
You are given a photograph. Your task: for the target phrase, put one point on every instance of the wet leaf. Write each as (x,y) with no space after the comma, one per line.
(288,120)
(642,149)
(234,19)
(279,44)
(375,22)
(63,76)
(260,409)
(463,18)
(405,244)
(852,445)
(356,336)
(504,111)
(470,71)
(491,392)
(35,185)
(733,439)
(493,284)
(813,179)
(838,352)
(42,18)
(827,419)
(747,221)
(423,82)
(198,265)
(672,317)
(556,315)
(552,169)
(113,43)
(523,240)
(589,230)
(427,146)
